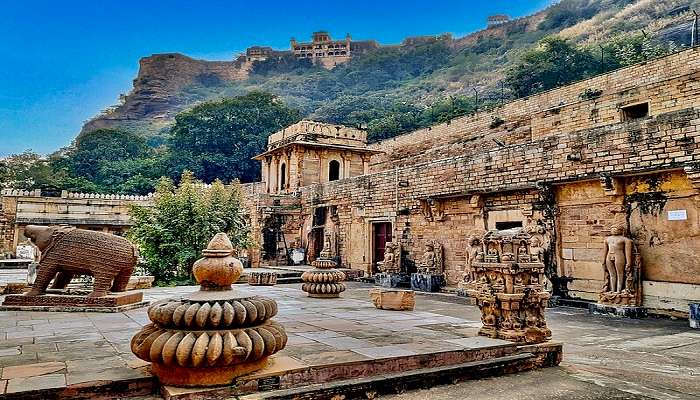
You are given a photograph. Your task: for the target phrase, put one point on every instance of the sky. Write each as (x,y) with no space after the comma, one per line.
(62,62)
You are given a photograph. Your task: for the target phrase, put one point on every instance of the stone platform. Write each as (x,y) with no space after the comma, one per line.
(58,355)
(74,301)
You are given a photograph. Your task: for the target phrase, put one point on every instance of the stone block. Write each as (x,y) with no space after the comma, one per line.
(427,282)
(262,278)
(140,282)
(392,280)
(392,299)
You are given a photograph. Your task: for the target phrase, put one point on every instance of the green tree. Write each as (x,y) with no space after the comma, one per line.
(553,63)
(92,150)
(216,140)
(26,170)
(627,50)
(172,233)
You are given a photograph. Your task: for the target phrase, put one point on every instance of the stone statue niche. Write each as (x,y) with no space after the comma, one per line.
(391,273)
(506,279)
(622,266)
(430,276)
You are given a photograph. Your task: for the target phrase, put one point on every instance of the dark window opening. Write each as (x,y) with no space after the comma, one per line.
(501,226)
(333,170)
(635,111)
(319,216)
(283,176)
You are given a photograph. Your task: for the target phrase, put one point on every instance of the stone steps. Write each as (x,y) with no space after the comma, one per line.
(402,381)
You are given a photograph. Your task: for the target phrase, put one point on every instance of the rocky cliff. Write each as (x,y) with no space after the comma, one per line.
(157,94)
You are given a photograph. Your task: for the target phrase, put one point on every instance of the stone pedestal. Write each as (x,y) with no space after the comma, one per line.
(389,280)
(212,336)
(634,312)
(70,300)
(694,315)
(324,281)
(262,278)
(427,282)
(393,299)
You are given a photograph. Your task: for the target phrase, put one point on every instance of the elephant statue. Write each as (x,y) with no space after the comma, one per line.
(67,251)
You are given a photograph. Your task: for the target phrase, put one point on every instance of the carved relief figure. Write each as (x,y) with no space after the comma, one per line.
(67,251)
(326,251)
(537,252)
(431,262)
(617,256)
(392,258)
(473,251)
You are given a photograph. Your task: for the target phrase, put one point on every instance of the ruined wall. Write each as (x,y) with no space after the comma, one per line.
(544,169)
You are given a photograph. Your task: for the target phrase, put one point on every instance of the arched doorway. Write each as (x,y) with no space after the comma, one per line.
(333,170)
(283,176)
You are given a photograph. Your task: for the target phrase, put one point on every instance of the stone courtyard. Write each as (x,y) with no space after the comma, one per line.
(43,354)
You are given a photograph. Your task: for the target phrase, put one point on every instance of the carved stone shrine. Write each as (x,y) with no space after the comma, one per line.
(430,276)
(508,274)
(324,281)
(67,252)
(214,335)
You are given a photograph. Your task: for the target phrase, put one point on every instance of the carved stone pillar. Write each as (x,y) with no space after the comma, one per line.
(274,174)
(265,174)
(347,159)
(365,164)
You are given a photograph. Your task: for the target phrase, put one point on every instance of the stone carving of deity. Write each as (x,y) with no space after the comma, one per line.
(431,262)
(391,262)
(536,250)
(617,256)
(473,252)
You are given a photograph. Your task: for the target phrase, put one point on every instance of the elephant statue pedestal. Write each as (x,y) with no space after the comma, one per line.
(67,252)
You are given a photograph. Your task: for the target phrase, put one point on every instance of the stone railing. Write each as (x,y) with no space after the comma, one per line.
(76,195)
(21,192)
(72,195)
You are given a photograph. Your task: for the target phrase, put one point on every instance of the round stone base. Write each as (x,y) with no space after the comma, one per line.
(324,295)
(217,376)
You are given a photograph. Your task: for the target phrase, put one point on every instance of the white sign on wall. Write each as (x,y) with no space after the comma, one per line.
(677,215)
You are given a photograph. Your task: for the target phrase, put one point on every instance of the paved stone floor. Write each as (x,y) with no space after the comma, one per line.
(603,357)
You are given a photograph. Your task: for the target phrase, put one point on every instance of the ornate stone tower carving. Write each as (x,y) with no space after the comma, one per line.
(507,282)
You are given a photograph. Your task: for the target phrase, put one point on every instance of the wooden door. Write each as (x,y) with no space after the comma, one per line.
(381,235)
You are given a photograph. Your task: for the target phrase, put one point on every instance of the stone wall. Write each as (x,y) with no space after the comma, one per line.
(542,166)
(668,84)
(109,213)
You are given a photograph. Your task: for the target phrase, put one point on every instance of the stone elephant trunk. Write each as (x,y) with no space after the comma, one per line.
(68,251)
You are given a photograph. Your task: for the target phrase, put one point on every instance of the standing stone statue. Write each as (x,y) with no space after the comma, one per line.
(617,256)
(622,266)
(473,249)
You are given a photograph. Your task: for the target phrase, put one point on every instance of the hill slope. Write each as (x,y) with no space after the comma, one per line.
(414,73)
